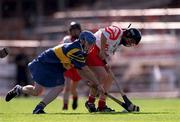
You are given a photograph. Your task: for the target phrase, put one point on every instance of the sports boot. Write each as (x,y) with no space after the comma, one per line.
(65,107)
(38,110)
(90,106)
(75,103)
(13,93)
(105,109)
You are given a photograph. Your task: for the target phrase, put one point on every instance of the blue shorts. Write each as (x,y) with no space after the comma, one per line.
(47,74)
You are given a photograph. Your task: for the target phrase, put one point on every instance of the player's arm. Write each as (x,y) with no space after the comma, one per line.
(83,69)
(78,60)
(87,73)
(102,53)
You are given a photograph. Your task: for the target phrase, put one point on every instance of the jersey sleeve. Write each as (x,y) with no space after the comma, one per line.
(112,32)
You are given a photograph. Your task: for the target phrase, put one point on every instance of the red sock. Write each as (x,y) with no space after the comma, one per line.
(91,99)
(101,104)
(65,104)
(65,107)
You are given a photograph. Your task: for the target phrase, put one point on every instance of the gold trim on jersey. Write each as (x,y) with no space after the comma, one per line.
(63,58)
(78,58)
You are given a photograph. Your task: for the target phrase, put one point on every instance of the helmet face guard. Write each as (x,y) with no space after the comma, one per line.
(128,42)
(131,37)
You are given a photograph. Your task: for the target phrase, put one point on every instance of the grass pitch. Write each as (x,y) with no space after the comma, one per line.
(152,110)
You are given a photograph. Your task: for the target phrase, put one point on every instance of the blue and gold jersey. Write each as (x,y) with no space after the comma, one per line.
(69,54)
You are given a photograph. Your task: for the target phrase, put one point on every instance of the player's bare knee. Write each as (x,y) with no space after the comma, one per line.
(106,78)
(66,89)
(38,92)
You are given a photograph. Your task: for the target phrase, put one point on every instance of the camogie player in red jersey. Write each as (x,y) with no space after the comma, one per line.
(108,40)
(71,75)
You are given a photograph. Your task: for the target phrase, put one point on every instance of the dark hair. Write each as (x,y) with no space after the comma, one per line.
(74,25)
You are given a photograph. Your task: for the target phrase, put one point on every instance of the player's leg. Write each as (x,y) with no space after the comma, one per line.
(35,90)
(102,76)
(90,103)
(106,80)
(93,60)
(75,78)
(66,93)
(48,98)
(28,89)
(74,93)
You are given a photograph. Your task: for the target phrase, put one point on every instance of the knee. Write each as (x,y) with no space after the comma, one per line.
(106,79)
(38,92)
(73,91)
(67,88)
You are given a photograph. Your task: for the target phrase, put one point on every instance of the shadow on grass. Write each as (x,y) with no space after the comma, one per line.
(96,113)
(138,113)
(60,113)
(154,113)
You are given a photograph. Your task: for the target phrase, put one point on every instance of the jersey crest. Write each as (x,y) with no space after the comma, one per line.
(113,31)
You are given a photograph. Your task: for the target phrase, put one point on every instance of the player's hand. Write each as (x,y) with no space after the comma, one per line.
(107,67)
(3,52)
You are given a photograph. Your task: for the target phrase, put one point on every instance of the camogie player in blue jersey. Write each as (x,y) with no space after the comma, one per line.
(48,70)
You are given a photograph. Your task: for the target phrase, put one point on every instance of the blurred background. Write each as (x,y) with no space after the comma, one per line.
(152,69)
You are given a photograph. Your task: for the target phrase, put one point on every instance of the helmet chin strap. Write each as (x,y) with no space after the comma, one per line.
(84,47)
(85,50)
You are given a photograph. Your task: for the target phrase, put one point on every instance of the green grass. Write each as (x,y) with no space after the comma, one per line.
(152,110)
